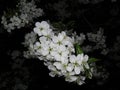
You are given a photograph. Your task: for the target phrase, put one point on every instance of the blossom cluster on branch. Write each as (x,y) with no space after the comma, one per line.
(25,13)
(64,52)
(60,53)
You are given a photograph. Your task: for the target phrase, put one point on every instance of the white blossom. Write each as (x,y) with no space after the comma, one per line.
(27,11)
(58,53)
(42,28)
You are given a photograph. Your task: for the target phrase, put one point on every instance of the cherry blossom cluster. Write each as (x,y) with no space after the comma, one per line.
(25,14)
(97,41)
(59,53)
(100,41)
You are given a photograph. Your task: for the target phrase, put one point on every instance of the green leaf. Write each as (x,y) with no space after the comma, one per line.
(88,72)
(78,49)
(91,60)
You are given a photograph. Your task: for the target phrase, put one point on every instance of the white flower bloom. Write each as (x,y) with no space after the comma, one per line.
(84,61)
(61,67)
(10,27)
(15,20)
(37,46)
(4,20)
(71,78)
(42,28)
(98,39)
(70,67)
(60,56)
(58,53)
(78,61)
(30,38)
(81,80)
(43,39)
(27,12)
(60,39)
(51,67)
(58,65)
(46,48)
(71,73)
(52,74)
(77,69)
(78,38)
